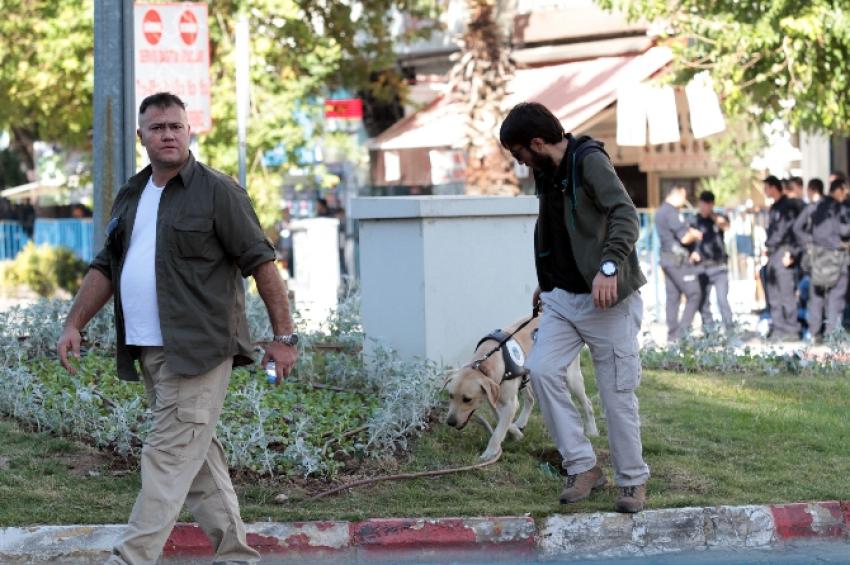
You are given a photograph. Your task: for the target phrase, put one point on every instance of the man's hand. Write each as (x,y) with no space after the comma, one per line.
(284,357)
(69,340)
(604,291)
(787,260)
(695,257)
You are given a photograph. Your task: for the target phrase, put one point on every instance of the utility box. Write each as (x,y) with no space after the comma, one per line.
(438,273)
(316,282)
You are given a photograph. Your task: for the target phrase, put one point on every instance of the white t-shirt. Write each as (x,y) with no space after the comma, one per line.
(138,277)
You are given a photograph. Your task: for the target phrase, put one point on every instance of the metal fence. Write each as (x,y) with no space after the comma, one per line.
(75,234)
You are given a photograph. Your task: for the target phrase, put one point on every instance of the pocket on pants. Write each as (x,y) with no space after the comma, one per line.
(627,368)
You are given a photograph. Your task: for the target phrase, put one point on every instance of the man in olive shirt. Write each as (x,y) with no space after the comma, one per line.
(589,276)
(181,238)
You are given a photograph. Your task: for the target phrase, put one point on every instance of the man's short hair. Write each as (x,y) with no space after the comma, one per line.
(838,175)
(796,180)
(161,100)
(528,120)
(773,181)
(816,185)
(837,184)
(706,196)
(673,188)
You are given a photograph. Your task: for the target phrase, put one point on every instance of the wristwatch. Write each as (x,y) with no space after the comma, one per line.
(290,339)
(608,268)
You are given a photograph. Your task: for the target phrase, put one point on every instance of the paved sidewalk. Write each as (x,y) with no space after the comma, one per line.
(653,532)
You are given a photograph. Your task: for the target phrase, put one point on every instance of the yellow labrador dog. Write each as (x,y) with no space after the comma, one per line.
(497,381)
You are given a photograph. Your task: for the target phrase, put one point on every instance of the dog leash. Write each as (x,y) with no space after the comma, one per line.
(477,363)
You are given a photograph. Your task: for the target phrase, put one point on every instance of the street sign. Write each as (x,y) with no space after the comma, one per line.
(172,55)
(348,108)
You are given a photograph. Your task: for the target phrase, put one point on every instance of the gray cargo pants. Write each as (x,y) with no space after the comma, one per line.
(679,280)
(567,323)
(830,299)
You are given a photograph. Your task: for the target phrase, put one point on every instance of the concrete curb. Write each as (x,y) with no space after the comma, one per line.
(651,532)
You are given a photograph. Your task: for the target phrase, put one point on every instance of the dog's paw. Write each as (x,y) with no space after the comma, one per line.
(516,433)
(490,454)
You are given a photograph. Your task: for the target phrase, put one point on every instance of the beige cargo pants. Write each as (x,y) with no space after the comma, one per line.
(183,461)
(568,322)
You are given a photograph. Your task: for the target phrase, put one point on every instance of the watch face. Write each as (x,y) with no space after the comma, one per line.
(608,269)
(293,339)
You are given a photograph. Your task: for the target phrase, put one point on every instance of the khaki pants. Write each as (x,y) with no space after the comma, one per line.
(183,461)
(567,323)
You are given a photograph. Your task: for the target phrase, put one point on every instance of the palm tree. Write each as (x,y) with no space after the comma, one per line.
(479,81)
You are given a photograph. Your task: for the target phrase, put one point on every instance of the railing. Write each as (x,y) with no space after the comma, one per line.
(12,239)
(75,234)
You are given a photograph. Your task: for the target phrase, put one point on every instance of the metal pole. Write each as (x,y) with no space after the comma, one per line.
(114,106)
(243,82)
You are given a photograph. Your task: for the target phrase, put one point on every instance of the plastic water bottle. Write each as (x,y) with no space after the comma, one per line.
(271,375)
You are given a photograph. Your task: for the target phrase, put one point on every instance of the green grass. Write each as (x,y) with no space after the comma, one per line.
(708,438)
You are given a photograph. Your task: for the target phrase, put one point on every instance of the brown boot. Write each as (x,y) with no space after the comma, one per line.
(631,499)
(579,487)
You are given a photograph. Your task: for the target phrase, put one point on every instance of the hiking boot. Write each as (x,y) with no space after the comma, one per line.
(631,499)
(578,487)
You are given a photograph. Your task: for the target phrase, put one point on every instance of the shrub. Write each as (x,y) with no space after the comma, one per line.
(337,405)
(45,268)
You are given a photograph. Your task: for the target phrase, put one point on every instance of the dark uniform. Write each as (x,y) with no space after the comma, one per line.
(824,228)
(781,280)
(713,269)
(680,276)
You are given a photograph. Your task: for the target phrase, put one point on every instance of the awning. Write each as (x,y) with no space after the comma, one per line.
(31,190)
(575,92)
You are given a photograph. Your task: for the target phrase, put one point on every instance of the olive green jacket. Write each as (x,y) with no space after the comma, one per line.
(601,220)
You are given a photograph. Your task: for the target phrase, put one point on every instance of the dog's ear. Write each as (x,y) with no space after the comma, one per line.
(493,390)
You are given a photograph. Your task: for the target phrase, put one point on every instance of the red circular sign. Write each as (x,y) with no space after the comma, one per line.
(188,27)
(152,26)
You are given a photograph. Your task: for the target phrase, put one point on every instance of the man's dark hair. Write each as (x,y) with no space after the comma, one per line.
(838,175)
(706,196)
(161,100)
(796,180)
(774,182)
(528,120)
(837,184)
(816,185)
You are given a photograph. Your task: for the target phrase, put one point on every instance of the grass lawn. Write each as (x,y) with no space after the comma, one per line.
(709,439)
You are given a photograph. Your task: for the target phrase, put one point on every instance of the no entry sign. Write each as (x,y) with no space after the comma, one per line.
(172,55)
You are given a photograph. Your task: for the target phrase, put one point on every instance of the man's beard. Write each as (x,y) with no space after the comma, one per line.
(541,163)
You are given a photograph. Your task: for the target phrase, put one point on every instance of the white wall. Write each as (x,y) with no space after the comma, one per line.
(440,272)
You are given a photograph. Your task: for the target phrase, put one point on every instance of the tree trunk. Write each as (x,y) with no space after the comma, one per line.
(479,81)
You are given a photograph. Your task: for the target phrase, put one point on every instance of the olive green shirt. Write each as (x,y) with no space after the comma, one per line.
(207,239)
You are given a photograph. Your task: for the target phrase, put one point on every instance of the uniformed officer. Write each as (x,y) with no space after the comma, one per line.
(680,275)
(781,252)
(711,258)
(824,229)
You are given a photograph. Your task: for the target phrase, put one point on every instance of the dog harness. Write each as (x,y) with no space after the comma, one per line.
(512,354)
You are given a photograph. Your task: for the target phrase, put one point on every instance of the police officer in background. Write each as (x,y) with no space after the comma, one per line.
(824,229)
(710,256)
(680,275)
(781,252)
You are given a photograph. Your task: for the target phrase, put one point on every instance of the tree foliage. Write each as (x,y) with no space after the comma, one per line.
(299,50)
(785,59)
(46,72)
